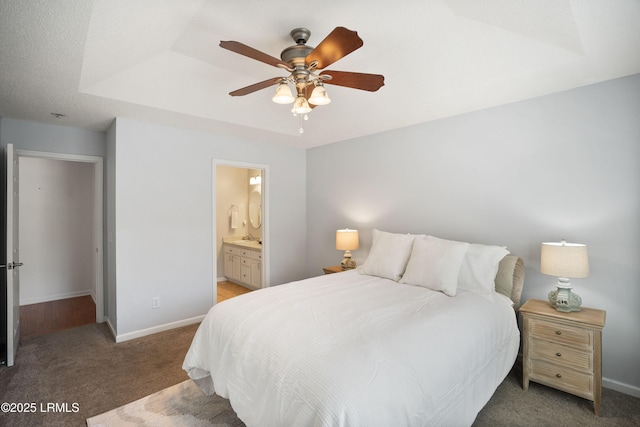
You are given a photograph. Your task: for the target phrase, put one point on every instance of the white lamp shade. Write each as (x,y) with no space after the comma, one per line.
(301,106)
(283,95)
(319,96)
(562,259)
(347,240)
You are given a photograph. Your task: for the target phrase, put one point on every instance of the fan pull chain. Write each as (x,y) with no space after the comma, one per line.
(301,130)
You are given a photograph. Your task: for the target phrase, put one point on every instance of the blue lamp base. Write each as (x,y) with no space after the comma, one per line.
(563,299)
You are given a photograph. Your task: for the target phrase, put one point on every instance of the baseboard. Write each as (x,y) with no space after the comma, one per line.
(111,328)
(621,387)
(160,328)
(56,297)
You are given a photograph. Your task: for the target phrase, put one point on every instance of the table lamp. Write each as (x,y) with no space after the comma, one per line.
(564,260)
(347,241)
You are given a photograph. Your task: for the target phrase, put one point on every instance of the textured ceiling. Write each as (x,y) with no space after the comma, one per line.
(159,60)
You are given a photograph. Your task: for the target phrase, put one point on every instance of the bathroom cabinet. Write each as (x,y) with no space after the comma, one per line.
(243,265)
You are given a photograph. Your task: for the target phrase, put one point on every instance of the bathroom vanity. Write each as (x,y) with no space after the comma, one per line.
(243,262)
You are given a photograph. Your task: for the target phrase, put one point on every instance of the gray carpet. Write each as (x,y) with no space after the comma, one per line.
(84,366)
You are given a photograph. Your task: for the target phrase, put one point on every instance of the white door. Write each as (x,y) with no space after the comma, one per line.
(12,261)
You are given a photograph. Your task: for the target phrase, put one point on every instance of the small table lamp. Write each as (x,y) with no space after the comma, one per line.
(564,260)
(347,241)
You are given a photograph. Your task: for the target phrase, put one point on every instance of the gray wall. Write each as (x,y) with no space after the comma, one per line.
(164,219)
(560,166)
(159,212)
(27,135)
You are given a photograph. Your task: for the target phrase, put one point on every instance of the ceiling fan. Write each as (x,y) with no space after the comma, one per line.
(303,63)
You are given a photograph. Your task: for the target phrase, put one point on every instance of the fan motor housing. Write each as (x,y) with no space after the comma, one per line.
(295,55)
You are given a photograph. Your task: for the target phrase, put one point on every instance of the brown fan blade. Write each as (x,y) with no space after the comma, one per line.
(256,87)
(338,44)
(362,81)
(252,53)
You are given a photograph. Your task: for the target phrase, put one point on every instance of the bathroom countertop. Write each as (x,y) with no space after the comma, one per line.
(242,243)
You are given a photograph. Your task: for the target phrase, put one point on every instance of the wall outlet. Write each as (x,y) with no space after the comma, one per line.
(155,302)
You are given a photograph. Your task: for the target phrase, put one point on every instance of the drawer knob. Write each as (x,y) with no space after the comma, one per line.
(558,375)
(559,354)
(558,332)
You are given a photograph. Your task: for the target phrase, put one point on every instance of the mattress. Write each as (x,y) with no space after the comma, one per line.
(349,349)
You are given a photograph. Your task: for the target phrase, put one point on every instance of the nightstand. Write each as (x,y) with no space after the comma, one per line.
(333,269)
(563,350)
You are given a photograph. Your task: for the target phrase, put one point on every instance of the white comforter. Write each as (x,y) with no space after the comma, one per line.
(354,350)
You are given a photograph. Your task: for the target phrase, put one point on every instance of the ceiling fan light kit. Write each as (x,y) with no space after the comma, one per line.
(319,96)
(303,64)
(301,106)
(283,94)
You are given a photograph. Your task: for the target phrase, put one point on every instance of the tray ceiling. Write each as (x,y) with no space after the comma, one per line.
(159,61)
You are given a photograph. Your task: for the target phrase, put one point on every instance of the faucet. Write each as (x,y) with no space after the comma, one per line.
(250,237)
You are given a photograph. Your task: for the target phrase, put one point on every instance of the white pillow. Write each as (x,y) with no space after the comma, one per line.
(388,256)
(435,264)
(479,269)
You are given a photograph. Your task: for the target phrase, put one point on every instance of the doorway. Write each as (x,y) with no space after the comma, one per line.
(60,229)
(240,209)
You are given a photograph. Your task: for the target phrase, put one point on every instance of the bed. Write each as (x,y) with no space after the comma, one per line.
(421,334)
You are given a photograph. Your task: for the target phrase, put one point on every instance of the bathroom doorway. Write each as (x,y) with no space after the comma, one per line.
(240,214)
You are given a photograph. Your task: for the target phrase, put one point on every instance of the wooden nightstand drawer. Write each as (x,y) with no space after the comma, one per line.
(554,331)
(562,378)
(563,355)
(563,349)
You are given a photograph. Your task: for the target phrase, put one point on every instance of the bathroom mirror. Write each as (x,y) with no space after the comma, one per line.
(255,209)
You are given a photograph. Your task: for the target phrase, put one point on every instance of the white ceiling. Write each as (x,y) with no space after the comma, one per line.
(159,60)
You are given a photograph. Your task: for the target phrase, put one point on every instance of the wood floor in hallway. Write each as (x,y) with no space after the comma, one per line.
(53,316)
